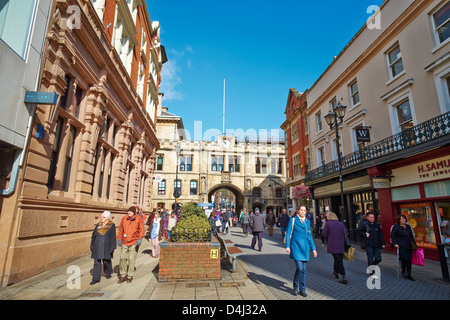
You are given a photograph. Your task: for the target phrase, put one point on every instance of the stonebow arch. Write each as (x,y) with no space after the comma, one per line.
(235,190)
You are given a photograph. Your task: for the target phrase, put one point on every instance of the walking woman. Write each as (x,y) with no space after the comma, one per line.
(155,234)
(103,244)
(299,242)
(403,238)
(335,231)
(245,222)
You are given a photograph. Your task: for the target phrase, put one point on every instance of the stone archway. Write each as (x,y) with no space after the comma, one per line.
(237,192)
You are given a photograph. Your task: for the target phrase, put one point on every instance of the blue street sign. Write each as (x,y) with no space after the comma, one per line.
(36,97)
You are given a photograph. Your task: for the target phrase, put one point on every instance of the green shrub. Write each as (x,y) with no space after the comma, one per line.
(193,225)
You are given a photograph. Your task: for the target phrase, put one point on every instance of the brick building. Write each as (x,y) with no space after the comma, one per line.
(95,149)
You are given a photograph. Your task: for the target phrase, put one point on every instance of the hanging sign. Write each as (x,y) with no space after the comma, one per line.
(300,191)
(362,134)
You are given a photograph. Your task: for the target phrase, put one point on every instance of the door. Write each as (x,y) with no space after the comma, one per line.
(443,217)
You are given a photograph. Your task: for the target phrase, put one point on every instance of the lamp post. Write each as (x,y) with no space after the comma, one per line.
(332,120)
(176,190)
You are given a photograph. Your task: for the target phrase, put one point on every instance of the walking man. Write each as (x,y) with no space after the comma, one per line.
(370,231)
(270,222)
(283,223)
(257,223)
(131,232)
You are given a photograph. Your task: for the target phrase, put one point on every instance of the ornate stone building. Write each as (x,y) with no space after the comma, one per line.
(252,168)
(95,149)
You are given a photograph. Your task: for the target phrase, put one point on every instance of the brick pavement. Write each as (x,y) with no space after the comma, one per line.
(273,268)
(265,275)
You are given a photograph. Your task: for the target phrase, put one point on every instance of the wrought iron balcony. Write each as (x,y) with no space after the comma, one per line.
(414,137)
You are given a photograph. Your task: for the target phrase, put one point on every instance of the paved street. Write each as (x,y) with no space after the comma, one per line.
(273,268)
(265,275)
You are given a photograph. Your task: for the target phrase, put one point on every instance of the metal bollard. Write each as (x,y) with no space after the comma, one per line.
(443,260)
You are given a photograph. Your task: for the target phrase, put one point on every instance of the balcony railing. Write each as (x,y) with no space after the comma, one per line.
(425,132)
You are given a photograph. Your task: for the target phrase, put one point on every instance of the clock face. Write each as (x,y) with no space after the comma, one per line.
(226,144)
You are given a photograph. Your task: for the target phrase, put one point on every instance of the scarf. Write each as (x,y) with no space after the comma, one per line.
(103,229)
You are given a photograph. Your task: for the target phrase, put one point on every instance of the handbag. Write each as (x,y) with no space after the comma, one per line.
(349,253)
(413,244)
(418,257)
(347,243)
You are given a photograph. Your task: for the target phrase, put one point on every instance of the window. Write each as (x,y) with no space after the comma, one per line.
(264,166)
(193,188)
(159,163)
(16,19)
(321,156)
(237,166)
(256,192)
(354,93)
(55,154)
(213,163)
(231,164)
(395,62)
(162,187)
(182,163)
(441,21)
(258,166)
(296,164)
(279,193)
(319,122)
(221,163)
(188,163)
(294,132)
(404,115)
(69,157)
(177,185)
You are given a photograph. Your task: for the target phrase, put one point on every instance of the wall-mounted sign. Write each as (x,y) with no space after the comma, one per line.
(300,191)
(36,97)
(362,134)
(381,182)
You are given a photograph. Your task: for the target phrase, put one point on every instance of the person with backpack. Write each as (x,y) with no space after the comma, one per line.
(372,236)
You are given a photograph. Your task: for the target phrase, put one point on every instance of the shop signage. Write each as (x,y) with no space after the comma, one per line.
(362,134)
(435,169)
(381,182)
(36,97)
(300,191)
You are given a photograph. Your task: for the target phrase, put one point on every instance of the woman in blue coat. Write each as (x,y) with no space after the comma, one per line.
(299,242)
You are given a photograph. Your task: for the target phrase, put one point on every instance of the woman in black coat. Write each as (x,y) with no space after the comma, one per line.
(103,244)
(402,236)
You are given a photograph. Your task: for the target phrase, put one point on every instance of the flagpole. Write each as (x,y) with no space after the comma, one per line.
(223,125)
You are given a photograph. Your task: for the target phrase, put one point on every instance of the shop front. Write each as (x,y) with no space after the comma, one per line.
(420,190)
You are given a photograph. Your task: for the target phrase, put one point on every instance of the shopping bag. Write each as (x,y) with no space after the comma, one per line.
(349,254)
(418,257)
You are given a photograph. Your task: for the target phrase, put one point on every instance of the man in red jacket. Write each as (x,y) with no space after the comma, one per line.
(131,232)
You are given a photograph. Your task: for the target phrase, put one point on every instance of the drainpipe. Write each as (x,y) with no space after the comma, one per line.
(14,175)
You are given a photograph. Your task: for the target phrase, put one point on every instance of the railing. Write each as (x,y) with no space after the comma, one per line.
(425,132)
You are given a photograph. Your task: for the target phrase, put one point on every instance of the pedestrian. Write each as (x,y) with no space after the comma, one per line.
(103,244)
(403,238)
(322,223)
(371,232)
(282,223)
(270,222)
(170,222)
(155,234)
(298,244)
(225,220)
(257,223)
(335,231)
(131,232)
(245,222)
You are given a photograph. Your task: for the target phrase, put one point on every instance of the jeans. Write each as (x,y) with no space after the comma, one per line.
(300,276)
(283,233)
(373,255)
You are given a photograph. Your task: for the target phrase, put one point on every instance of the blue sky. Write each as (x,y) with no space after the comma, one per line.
(262,48)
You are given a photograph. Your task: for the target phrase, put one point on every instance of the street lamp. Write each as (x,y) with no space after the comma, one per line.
(332,120)
(176,190)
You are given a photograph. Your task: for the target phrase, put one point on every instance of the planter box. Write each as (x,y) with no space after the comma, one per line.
(189,261)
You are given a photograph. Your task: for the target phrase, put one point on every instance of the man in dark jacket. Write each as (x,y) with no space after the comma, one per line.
(257,223)
(283,223)
(370,231)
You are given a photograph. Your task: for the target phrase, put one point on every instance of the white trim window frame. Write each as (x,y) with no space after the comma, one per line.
(321,155)
(442,81)
(319,122)
(395,62)
(440,24)
(394,103)
(353,93)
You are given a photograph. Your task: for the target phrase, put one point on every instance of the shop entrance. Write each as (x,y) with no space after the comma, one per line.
(443,217)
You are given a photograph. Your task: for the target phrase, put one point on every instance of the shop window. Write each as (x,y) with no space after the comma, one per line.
(420,219)
(437,189)
(405,193)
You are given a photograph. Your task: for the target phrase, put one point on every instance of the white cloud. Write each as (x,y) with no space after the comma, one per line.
(170,79)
